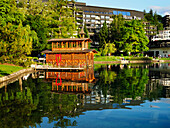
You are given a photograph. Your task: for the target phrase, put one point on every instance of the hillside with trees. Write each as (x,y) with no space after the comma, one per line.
(154,19)
(26,25)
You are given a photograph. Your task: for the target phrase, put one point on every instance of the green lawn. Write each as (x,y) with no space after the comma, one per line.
(106,58)
(118,58)
(7,69)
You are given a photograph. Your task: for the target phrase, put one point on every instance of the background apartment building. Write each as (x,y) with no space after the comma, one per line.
(166,22)
(94,17)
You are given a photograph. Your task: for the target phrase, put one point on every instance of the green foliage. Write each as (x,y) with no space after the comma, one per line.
(15,39)
(154,19)
(60,19)
(122,83)
(108,49)
(86,32)
(26,25)
(134,37)
(103,36)
(129,36)
(126,36)
(16,42)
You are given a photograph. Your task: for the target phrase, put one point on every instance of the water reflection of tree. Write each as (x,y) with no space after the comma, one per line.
(122,83)
(26,108)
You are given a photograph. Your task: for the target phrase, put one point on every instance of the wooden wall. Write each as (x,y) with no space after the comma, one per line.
(74,59)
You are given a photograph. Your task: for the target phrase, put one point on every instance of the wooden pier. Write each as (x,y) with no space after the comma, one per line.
(50,68)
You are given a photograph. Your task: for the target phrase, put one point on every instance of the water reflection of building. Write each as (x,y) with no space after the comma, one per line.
(159,75)
(71,82)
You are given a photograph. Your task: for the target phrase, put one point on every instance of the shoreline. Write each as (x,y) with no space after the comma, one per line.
(23,71)
(131,62)
(15,75)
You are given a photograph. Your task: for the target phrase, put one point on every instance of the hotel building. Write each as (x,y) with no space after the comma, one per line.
(94,17)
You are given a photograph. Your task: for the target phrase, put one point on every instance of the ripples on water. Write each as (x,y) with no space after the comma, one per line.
(107,96)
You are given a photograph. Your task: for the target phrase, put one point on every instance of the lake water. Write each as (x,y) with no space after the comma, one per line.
(108,96)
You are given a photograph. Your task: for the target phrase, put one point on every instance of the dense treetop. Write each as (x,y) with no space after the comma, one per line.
(26,25)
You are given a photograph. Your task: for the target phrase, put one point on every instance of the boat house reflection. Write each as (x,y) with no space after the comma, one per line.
(71,82)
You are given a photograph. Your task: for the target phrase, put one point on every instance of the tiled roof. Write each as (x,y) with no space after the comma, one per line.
(69,39)
(70,51)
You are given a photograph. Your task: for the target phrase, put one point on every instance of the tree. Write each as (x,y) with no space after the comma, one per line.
(117,30)
(15,39)
(103,36)
(135,39)
(39,25)
(86,32)
(128,36)
(154,19)
(60,19)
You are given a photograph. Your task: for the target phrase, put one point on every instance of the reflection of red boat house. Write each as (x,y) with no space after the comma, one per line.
(72,52)
(73,82)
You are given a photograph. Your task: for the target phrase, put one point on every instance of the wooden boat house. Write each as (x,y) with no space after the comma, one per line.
(72,52)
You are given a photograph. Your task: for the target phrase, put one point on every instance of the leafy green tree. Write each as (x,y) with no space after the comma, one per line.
(60,19)
(117,30)
(103,36)
(15,39)
(108,49)
(134,38)
(39,25)
(86,32)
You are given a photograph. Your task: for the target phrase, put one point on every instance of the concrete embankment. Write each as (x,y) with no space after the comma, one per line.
(15,74)
(131,62)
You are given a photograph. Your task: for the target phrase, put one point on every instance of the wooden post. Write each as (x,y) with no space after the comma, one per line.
(66,44)
(61,44)
(52,46)
(20,83)
(82,45)
(71,44)
(76,44)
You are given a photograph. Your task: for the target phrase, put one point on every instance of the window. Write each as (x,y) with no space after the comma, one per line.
(128,13)
(110,12)
(123,13)
(91,11)
(102,17)
(114,12)
(87,15)
(86,11)
(92,20)
(165,52)
(87,20)
(119,12)
(107,17)
(92,25)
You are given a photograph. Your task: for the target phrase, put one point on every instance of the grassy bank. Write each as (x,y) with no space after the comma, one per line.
(118,58)
(8,69)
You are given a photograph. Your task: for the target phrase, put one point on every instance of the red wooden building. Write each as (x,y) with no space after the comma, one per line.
(72,52)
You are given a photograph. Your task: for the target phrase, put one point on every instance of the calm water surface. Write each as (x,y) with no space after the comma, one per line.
(110,96)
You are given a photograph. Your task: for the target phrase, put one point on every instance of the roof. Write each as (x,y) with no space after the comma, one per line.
(70,51)
(69,39)
(82,31)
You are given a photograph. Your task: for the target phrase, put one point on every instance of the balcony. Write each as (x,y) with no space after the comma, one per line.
(97,18)
(97,22)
